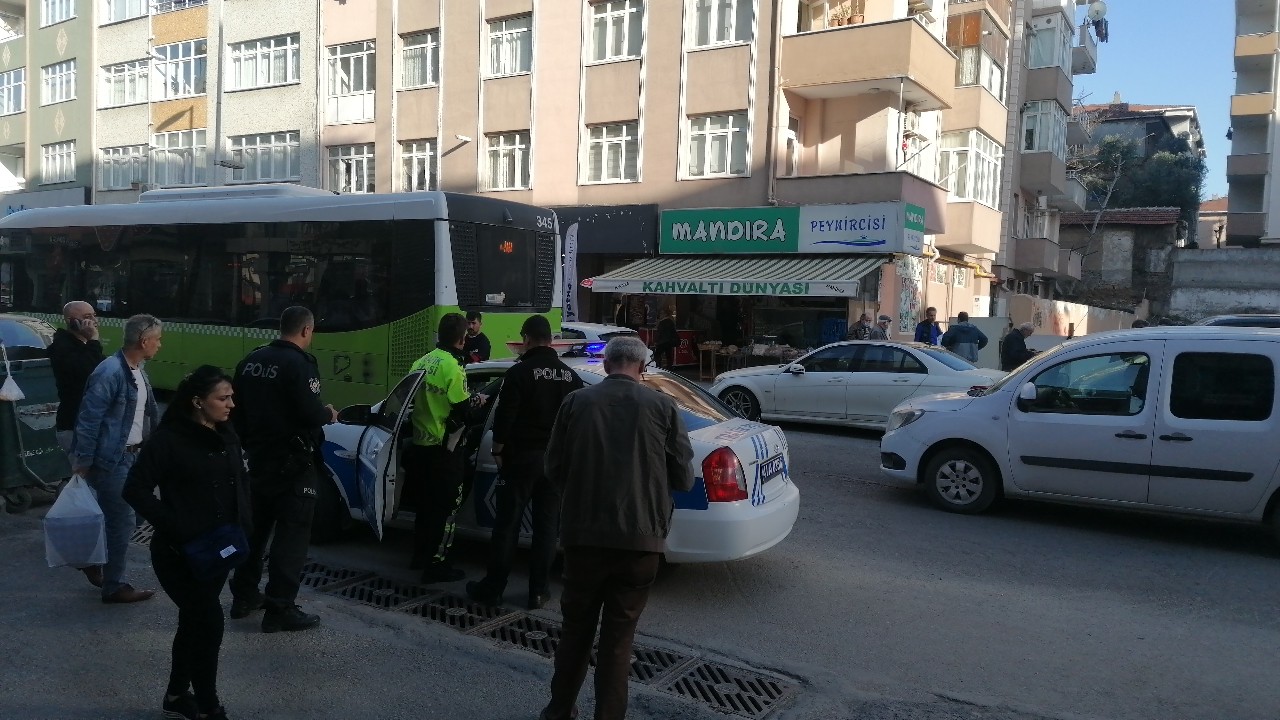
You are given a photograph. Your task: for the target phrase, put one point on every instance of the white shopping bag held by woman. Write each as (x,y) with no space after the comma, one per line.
(10,390)
(74,529)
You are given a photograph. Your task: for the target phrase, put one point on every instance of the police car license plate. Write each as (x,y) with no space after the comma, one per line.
(772,468)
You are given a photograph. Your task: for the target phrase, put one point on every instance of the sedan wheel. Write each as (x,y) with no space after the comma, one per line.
(742,401)
(961,480)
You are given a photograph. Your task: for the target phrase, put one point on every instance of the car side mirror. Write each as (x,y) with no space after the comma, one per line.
(1027,396)
(356,415)
(796,369)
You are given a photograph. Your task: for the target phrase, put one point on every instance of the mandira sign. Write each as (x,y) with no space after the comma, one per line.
(868,227)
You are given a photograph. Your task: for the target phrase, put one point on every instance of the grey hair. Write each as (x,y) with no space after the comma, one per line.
(626,351)
(138,326)
(1027,326)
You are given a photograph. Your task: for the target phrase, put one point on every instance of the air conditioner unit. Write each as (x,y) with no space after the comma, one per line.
(911,123)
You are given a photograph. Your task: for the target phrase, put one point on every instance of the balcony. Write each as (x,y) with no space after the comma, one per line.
(871,58)
(1044,173)
(1041,7)
(1036,255)
(865,188)
(975,107)
(1074,199)
(1252,105)
(1049,83)
(1070,263)
(1243,166)
(1245,226)
(1084,57)
(1079,130)
(1261,44)
(972,229)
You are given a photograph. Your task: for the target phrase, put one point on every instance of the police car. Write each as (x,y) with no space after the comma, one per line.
(743,501)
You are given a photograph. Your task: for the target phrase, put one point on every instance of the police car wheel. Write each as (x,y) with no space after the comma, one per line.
(326,523)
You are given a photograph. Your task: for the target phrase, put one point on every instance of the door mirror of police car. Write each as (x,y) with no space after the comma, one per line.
(356,415)
(796,369)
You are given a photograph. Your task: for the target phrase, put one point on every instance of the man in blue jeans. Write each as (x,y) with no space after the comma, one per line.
(117,414)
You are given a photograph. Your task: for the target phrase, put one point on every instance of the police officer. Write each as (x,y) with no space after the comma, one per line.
(280,418)
(527,404)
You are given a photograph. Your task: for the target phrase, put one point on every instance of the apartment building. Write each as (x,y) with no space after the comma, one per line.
(1253,192)
(1051,42)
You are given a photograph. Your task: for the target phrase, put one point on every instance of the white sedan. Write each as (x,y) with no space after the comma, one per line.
(855,383)
(743,501)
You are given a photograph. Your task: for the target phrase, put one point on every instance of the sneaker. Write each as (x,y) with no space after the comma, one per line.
(439,572)
(243,607)
(183,707)
(290,620)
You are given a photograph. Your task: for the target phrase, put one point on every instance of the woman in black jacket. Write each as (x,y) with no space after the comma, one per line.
(194,459)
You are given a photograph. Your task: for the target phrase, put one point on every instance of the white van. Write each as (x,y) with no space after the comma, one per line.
(1180,420)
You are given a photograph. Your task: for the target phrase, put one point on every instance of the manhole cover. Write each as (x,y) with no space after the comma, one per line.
(457,612)
(731,689)
(318,575)
(380,592)
(528,633)
(142,536)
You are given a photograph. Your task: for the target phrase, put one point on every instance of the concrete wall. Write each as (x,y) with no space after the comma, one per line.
(1230,280)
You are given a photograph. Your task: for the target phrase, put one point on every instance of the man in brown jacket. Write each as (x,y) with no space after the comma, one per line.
(617,451)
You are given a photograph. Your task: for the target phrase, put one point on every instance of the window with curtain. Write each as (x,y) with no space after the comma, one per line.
(120,10)
(58,82)
(124,84)
(511,46)
(721,21)
(265,62)
(1044,128)
(267,157)
(13,91)
(418,163)
(351,168)
(615,29)
(969,167)
(180,69)
(613,153)
(179,158)
(58,162)
(508,161)
(1050,44)
(718,145)
(121,167)
(420,60)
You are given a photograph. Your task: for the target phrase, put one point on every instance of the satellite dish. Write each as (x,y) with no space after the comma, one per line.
(1097,10)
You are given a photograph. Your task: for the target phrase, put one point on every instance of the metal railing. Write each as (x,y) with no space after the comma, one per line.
(165,6)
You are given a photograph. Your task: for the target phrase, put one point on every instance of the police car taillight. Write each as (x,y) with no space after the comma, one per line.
(723,476)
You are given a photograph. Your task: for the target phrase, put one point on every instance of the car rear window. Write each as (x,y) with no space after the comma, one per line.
(948,358)
(700,408)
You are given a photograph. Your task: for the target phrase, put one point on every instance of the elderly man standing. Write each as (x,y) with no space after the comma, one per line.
(1013,351)
(630,451)
(73,355)
(881,330)
(117,414)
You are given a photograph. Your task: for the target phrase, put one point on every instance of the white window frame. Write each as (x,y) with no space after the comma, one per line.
(604,143)
(58,82)
(58,162)
(53,12)
(727,22)
(13,91)
(183,153)
(351,82)
(418,160)
(1044,128)
(510,43)
(12,26)
(617,30)
(1050,44)
(260,59)
(267,157)
(159,7)
(354,163)
(420,52)
(969,166)
(114,11)
(180,70)
(508,158)
(130,75)
(738,131)
(977,67)
(119,168)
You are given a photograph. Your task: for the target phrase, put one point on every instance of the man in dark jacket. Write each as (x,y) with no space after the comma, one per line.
(280,419)
(477,347)
(927,330)
(1013,351)
(964,338)
(532,391)
(618,450)
(73,355)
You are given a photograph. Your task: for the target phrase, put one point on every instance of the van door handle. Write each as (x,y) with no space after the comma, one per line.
(1131,435)
(1177,437)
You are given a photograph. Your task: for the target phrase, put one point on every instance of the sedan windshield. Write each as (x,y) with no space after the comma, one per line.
(948,358)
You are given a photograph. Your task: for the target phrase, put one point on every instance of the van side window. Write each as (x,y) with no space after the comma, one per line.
(1114,384)
(1222,386)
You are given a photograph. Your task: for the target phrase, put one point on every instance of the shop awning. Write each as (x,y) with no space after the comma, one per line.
(830,276)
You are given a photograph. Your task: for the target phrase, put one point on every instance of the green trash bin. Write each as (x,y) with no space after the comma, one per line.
(29,452)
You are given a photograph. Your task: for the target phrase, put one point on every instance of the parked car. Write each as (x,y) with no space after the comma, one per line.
(854,383)
(1253,320)
(743,501)
(1178,420)
(595,336)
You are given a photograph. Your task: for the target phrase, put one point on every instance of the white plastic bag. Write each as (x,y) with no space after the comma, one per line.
(75,532)
(10,390)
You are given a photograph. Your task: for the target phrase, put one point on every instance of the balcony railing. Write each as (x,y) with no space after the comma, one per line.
(12,26)
(1084,56)
(166,6)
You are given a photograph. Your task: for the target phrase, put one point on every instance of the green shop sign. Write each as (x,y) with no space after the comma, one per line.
(867,227)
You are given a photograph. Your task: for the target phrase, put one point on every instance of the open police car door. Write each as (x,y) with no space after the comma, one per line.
(379,451)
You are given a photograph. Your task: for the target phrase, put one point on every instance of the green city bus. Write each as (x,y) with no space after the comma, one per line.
(219,264)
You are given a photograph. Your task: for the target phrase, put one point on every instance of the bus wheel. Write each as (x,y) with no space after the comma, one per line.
(327,523)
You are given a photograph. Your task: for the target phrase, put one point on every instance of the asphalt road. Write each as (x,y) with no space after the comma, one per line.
(877,606)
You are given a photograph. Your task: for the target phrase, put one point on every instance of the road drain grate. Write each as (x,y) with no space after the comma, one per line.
(380,592)
(527,633)
(730,689)
(649,663)
(457,612)
(319,576)
(142,536)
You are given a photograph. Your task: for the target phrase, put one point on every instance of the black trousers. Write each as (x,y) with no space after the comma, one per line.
(437,475)
(285,508)
(610,587)
(523,483)
(664,354)
(196,644)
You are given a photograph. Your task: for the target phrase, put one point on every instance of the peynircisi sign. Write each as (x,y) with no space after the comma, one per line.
(867,228)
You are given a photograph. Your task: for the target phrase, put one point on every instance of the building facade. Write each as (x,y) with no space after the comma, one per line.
(1253,193)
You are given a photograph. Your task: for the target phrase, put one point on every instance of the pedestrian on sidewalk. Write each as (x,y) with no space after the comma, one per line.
(666,338)
(195,463)
(532,391)
(964,338)
(927,330)
(861,330)
(881,330)
(617,450)
(117,414)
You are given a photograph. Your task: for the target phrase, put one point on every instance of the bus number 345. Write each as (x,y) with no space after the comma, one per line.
(546,223)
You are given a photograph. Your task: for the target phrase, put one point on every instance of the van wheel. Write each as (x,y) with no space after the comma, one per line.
(961,480)
(742,401)
(327,523)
